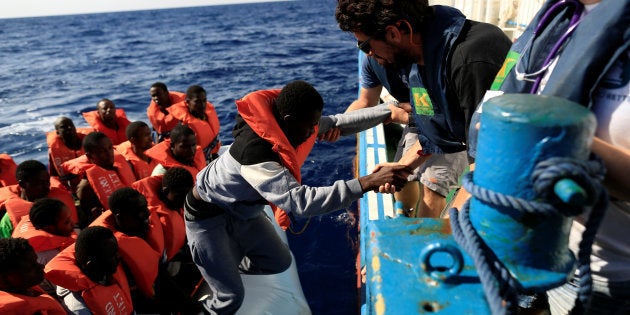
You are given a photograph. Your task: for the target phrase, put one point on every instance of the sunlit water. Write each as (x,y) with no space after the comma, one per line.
(52,66)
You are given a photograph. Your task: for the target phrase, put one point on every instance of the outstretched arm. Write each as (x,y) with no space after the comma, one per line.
(349,123)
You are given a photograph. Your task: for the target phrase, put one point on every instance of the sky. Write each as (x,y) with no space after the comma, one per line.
(31,8)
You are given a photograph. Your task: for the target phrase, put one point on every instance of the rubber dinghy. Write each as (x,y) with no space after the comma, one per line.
(277,294)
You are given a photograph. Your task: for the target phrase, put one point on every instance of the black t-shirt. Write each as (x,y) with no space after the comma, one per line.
(476,59)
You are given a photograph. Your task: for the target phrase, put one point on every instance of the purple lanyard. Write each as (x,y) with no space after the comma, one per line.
(546,18)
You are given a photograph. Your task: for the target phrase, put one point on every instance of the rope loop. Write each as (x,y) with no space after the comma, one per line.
(586,174)
(500,287)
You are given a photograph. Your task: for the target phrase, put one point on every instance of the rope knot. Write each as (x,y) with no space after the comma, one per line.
(585,174)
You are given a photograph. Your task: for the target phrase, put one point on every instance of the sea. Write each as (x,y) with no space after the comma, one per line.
(63,65)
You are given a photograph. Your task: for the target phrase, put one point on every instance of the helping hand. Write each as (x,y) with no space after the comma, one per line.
(391,176)
(331,135)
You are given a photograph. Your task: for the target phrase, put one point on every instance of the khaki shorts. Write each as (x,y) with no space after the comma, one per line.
(440,172)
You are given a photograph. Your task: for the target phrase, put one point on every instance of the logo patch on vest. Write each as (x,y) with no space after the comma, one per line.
(508,64)
(421,101)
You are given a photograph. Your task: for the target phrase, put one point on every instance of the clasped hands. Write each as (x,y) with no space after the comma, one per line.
(388,177)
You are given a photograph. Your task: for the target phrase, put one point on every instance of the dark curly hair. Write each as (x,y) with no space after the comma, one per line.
(44,212)
(134,127)
(180,133)
(13,252)
(125,199)
(160,85)
(90,242)
(91,142)
(371,17)
(298,98)
(177,177)
(28,170)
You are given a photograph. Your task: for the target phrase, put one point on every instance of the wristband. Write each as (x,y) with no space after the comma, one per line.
(421,153)
(393,102)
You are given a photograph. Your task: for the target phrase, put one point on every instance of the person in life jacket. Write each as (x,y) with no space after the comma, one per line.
(225,221)
(157,112)
(165,196)
(199,114)
(49,229)
(139,235)
(7,170)
(448,63)
(19,275)
(180,149)
(103,171)
(141,248)
(109,120)
(140,140)
(33,183)
(89,275)
(64,144)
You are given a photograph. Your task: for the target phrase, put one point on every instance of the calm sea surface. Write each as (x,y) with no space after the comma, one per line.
(53,66)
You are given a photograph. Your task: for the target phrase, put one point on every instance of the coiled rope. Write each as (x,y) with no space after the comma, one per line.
(501,289)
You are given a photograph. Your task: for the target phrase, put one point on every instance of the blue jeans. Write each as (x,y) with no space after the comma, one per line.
(612,298)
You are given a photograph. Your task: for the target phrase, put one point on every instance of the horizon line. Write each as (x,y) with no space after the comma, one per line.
(34,8)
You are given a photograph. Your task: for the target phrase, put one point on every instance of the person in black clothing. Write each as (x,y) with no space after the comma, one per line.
(452,61)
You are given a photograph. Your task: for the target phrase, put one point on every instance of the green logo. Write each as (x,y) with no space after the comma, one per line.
(508,64)
(421,101)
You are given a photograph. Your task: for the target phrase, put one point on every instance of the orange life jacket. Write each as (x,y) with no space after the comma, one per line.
(58,152)
(162,153)
(141,256)
(8,192)
(163,122)
(17,207)
(256,110)
(117,136)
(18,304)
(172,221)
(41,240)
(104,182)
(7,170)
(141,168)
(206,131)
(111,299)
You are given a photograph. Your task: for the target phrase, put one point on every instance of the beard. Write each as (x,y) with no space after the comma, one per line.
(400,58)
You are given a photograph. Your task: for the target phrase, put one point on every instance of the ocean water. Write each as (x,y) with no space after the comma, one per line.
(53,66)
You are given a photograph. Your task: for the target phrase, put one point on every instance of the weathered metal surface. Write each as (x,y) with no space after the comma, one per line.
(517,132)
(415,267)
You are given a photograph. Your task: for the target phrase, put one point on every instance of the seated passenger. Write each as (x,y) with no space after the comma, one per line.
(140,140)
(64,144)
(199,114)
(49,229)
(161,100)
(19,275)
(140,238)
(180,150)
(165,196)
(109,120)
(89,276)
(103,170)
(7,170)
(33,184)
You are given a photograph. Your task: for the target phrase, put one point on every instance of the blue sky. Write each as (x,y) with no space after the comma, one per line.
(30,8)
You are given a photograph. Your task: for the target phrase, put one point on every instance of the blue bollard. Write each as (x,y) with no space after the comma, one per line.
(518,131)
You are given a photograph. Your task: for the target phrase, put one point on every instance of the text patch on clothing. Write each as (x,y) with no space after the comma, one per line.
(421,101)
